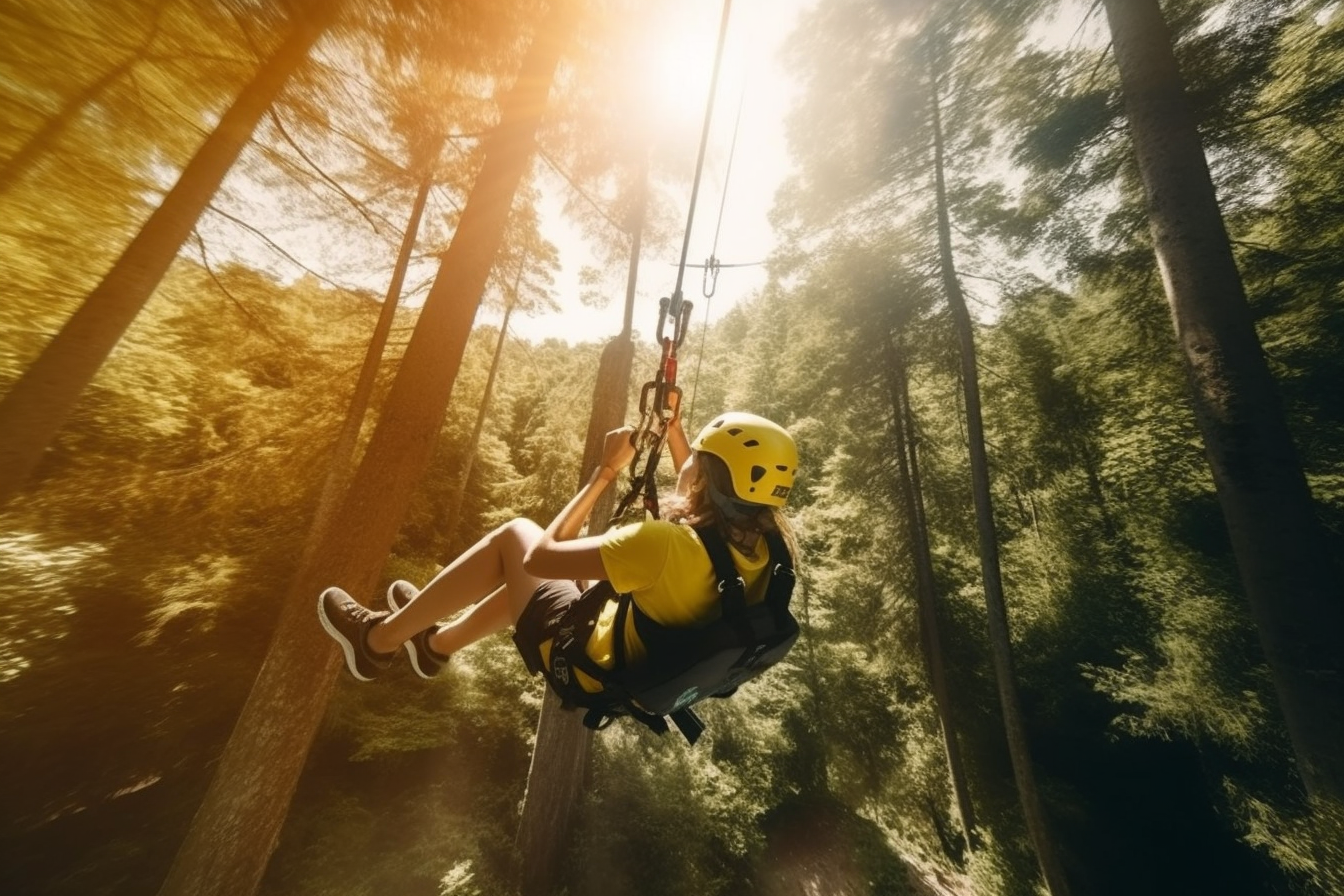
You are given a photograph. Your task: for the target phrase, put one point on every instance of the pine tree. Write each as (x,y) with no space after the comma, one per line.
(1281,550)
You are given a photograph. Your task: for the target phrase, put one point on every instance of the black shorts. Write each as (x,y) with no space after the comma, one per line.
(540,619)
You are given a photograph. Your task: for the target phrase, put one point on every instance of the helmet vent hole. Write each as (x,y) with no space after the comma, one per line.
(736,430)
(781,468)
(757,473)
(750,443)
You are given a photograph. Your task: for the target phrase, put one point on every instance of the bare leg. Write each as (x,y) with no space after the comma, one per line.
(494,614)
(489,574)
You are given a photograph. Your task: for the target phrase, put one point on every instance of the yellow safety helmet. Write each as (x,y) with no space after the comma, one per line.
(760,455)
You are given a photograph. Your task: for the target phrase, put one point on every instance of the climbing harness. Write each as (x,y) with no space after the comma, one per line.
(682,665)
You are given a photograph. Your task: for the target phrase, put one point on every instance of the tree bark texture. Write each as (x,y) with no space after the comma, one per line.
(43,398)
(1295,592)
(1019,750)
(235,830)
(560,759)
(555,784)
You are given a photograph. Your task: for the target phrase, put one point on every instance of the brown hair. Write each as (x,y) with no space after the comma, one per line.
(740,523)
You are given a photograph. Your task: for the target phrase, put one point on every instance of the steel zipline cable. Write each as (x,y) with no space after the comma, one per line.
(710,282)
(656,405)
(704,142)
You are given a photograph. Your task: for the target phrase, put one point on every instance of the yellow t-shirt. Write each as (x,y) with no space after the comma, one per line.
(667,571)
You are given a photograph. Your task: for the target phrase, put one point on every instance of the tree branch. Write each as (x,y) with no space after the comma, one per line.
(275,247)
(555,166)
(322,174)
(247,313)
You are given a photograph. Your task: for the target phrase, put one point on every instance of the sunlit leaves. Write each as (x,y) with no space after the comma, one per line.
(1189,689)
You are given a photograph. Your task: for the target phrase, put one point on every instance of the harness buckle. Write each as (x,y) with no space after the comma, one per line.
(738,583)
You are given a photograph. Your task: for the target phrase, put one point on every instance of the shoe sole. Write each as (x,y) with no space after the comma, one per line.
(396,604)
(346,647)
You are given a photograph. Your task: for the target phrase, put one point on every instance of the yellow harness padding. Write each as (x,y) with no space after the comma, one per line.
(668,572)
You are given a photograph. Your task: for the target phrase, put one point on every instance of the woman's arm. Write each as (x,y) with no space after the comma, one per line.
(559,553)
(677,442)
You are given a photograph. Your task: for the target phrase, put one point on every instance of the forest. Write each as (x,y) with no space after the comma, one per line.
(1054,311)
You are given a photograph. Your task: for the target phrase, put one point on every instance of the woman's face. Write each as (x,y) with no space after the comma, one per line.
(688,473)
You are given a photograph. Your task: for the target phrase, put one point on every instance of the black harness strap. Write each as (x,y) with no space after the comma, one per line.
(732,589)
(623,604)
(780,590)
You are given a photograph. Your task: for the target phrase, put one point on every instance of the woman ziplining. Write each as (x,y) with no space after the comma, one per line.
(684,608)
(666,626)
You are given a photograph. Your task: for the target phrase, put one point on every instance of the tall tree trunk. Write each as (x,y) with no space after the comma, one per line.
(459,493)
(560,757)
(341,462)
(637,216)
(1033,811)
(235,830)
(44,396)
(930,634)
(1294,589)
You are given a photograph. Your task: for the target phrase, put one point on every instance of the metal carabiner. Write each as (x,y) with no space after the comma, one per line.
(664,305)
(710,277)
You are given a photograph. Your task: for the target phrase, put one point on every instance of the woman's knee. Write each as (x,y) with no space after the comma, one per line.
(515,537)
(522,530)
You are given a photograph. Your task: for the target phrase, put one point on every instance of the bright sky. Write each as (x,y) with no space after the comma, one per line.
(751,72)
(756,30)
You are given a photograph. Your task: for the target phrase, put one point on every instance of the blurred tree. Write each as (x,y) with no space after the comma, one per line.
(1018,745)
(40,142)
(42,399)
(911,496)
(873,168)
(234,832)
(533,262)
(89,181)
(182,488)
(1281,551)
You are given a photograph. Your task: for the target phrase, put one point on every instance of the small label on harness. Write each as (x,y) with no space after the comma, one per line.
(560,669)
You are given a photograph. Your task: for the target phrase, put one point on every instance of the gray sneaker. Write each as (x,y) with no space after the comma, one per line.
(349,623)
(425,660)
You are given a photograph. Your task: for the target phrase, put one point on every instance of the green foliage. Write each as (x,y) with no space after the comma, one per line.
(141,572)
(102,101)
(140,578)
(695,824)
(447,759)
